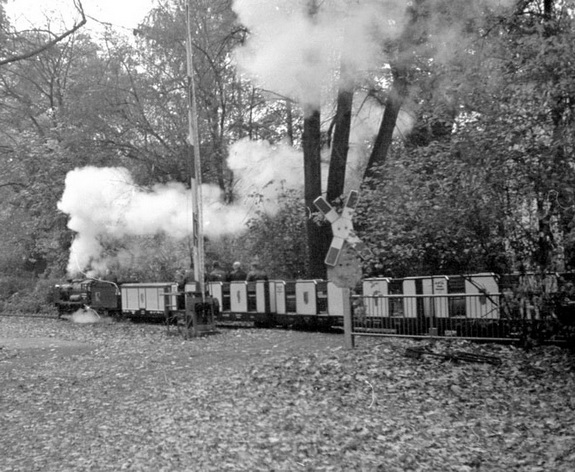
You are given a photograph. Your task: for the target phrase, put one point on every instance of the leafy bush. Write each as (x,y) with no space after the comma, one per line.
(431,216)
(33,295)
(12,284)
(278,241)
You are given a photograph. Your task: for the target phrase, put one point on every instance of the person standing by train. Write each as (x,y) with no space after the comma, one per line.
(237,273)
(256,273)
(217,274)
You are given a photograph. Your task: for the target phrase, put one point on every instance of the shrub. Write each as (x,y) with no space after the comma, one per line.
(27,295)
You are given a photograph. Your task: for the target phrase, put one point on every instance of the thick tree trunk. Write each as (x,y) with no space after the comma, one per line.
(406,44)
(393,104)
(318,236)
(340,145)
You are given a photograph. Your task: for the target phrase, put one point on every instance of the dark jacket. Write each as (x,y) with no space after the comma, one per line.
(238,274)
(217,275)
(256,274)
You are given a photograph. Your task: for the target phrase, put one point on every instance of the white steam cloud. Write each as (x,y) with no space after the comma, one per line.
(264,170)
(294,54)
(298,54)
(104,204)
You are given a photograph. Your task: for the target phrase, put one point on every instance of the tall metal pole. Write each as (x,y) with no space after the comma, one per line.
(196,178)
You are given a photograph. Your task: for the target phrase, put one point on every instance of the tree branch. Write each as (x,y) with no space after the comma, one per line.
(12,184)
(49,44)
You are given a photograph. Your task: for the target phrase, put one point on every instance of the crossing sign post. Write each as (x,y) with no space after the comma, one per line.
(343,265)
(347,272)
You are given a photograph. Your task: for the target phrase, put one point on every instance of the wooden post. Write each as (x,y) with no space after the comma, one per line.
(196,178)
(347,325)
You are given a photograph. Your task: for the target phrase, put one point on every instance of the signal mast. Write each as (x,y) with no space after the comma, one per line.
(196,174)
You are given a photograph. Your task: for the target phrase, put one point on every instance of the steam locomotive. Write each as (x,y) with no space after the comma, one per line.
(478,305)
(163,301)
(102,296)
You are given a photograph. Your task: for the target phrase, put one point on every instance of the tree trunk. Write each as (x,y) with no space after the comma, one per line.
(289,122)
(406,44)
(340,143)
(393,104)
(318,236)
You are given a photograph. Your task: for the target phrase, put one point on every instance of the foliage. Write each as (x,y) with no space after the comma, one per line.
(36,235)
(19,46)
(47,131)
(429,213)
(26,294)
(223,100)
(278,241)
(12,285)
(484,180)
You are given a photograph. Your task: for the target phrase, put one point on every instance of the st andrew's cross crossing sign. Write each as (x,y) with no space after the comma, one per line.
(342,228)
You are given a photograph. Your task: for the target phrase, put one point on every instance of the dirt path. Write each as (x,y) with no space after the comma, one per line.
(29,341)
(19,351)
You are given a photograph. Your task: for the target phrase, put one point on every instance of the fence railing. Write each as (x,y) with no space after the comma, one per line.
(484,316)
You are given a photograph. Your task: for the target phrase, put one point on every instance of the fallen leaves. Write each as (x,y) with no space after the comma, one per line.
(279,400)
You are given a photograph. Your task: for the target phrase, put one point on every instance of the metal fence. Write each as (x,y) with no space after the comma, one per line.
(482,316)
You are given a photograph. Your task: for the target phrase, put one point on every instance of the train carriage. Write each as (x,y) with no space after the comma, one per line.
(387,307)
(446,305)
(304,303)
(375,291)
(242,301)
(149,300)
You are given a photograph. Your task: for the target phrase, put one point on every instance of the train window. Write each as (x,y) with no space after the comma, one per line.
(395,287)
(456,304)
(456,285)
(508,282)
(226,302)
(252,296)
(322,297)
(291,302)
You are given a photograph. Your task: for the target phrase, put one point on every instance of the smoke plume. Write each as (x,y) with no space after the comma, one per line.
(105,204)
(296,54)
(263,171)
(296,47)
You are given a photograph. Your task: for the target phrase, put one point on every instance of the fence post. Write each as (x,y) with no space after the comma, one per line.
(347,324)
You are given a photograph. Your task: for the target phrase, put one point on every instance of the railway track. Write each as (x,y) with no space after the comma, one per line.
(29,315)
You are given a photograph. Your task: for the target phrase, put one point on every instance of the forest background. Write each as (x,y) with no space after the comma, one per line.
(453,119)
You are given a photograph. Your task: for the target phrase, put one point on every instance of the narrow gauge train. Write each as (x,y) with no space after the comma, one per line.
(153,301)
(476,305)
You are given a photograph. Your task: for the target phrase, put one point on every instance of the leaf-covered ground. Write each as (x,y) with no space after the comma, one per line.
(120,396)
